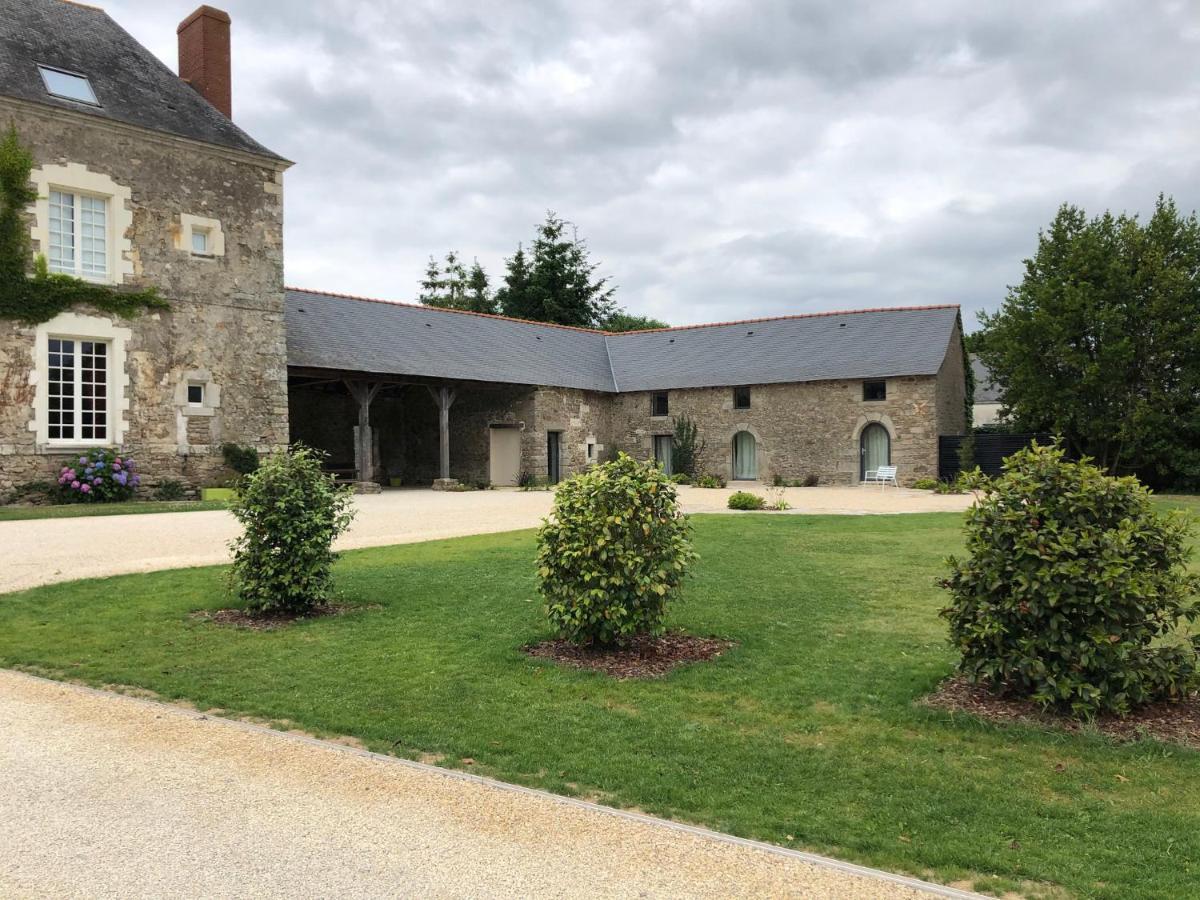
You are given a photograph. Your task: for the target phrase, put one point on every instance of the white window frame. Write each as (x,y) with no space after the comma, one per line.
(214,236)
(76,327)
(73,178)
(77,226)
(196,403)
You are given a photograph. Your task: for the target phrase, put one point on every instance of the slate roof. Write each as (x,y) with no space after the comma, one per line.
(131,84)
(330,331)
(985,390)
(334,332)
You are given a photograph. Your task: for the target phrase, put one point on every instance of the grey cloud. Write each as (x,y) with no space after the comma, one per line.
(723,159)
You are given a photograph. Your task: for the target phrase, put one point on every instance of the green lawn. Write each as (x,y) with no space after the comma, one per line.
(805,734)
(75,510)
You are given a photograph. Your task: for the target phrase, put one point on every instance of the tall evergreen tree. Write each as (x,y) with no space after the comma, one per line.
(479,292)
(557,284)
(1099,341)
(445,285)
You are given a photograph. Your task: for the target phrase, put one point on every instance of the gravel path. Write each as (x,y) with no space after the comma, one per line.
(110,796)
(40,551)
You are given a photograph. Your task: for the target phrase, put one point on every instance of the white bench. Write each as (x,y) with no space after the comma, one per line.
(883,476)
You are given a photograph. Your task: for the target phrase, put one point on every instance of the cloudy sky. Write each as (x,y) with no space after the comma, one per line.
(722,159)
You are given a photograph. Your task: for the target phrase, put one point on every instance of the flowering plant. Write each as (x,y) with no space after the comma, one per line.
(99,476)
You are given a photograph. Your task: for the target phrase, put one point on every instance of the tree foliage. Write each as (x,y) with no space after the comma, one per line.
(613,553)
(1098,341)
(449,285)
(43,296)
(1074,590)
(625,321)
(290,511)
(557,281)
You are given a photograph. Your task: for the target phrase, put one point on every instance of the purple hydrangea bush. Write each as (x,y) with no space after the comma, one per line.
(99,476)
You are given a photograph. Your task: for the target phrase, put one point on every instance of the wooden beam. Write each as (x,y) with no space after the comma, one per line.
(444,398)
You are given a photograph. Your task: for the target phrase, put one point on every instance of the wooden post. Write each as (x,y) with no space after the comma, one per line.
(444,398)
(364,442)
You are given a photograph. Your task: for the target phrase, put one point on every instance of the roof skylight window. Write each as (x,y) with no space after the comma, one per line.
(68,85)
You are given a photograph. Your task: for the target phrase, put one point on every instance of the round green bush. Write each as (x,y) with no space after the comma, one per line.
(746,500)
(291,511)
(613,553)
(1074,589)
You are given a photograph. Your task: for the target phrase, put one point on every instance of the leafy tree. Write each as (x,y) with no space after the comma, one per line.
(621,320)
(1098,341)
(557,283)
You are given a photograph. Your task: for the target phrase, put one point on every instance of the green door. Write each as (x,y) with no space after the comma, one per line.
(745,457)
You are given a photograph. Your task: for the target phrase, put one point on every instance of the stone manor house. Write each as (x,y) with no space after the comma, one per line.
(143,179)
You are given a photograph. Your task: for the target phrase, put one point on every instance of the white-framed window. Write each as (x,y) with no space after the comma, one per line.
(81,388)
(195,394)
(78,234)
(77,387)
(81,223)
(200,241)
(200,236)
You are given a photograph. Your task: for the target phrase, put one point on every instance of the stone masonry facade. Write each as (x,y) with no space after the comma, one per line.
(800,429)
(224,330)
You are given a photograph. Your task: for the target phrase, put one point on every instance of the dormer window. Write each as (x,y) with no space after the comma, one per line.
(68,85)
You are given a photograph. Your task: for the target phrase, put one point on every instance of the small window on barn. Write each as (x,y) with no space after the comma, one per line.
(195,395)
(591,452)
(741,398)
(659,405)
(874,390)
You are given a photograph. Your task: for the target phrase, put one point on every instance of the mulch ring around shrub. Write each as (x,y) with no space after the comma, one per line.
(643,657)
(1176,722)
(265,621)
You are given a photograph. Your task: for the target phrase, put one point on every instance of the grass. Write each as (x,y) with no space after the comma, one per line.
(132,507)
(805,734)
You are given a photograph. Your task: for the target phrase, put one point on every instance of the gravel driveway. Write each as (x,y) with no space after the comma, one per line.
(110,796)
(39,551)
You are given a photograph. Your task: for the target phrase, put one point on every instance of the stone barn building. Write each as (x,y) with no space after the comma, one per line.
(144,180)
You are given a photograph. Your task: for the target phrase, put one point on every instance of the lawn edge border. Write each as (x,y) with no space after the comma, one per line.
(814,859)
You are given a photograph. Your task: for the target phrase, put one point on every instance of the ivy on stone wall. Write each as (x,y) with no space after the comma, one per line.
(36,298)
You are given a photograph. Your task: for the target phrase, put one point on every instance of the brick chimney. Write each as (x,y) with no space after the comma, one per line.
(204,56)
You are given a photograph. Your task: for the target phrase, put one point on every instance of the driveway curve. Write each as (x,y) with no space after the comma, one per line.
(111,796)
(43,551)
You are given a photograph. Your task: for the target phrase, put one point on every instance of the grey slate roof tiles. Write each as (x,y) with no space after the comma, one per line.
(131,84)
(329,331)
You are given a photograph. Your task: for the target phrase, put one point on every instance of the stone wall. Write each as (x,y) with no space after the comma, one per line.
(225,326)
(952,389)
(801,429)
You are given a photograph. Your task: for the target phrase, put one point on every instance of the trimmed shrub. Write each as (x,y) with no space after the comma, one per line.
(709,481)
(613,553)
(291,512)
(746,500)
(98,476)
(169,490)
(1074,589)
(926,484)
(680,478)
(242,460)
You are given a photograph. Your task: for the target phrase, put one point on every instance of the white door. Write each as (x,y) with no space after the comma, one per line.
(505,460)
